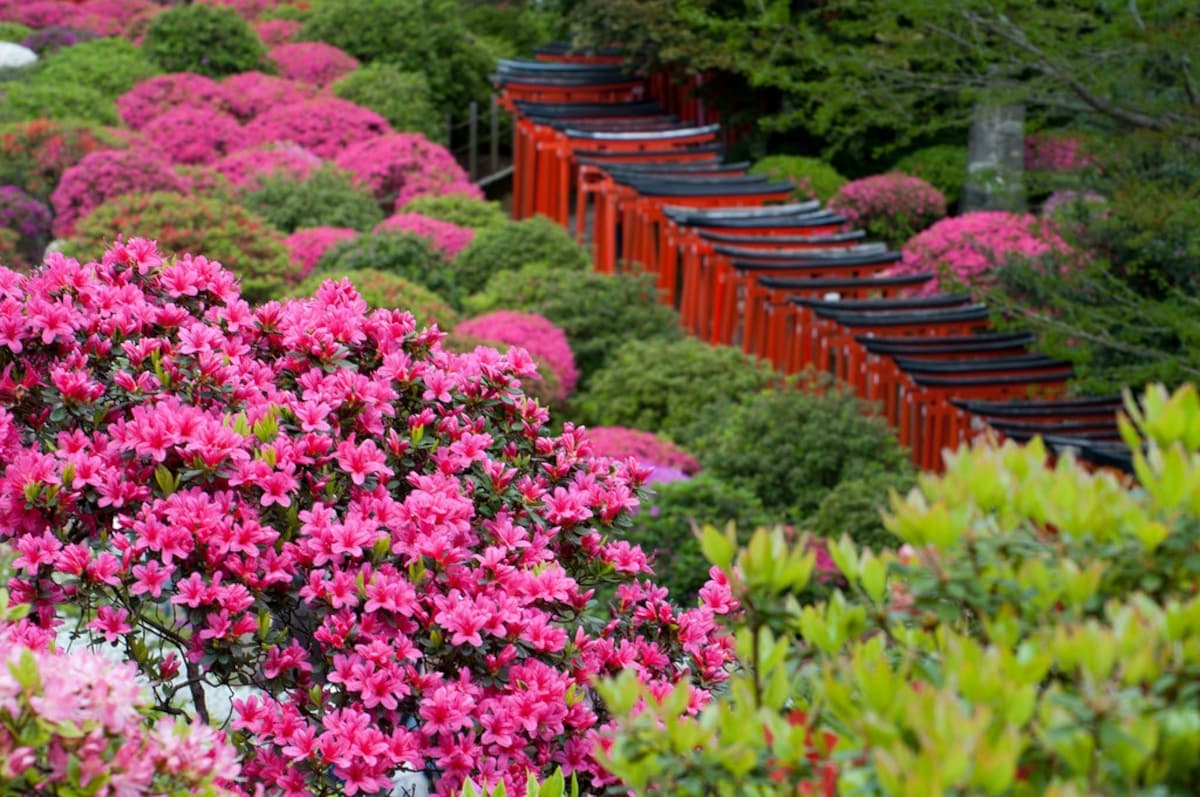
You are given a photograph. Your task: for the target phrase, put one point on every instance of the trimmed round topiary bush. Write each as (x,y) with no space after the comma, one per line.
(29,218)
(252,93)
(447,238)
(105,175)
(814,178)
(943,166)
(403,98)
(532,332)
(316,63)
(26,100)
(512,246)
(792,447)
(154,97)
(892,207)
(402,166)
(250,165)
(205,40)
(400,253)
(327,126)
(965,250)
(661,385)
(34,155)
(108,66)
(460,209)
(665,527)
(194,136)
(380,289)
(234,237)
(415,556)
(384,30)
(648,448)
(327,197)
(599,312)
(307,246)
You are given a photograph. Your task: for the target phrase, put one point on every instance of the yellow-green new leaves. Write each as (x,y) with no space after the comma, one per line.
(554,786)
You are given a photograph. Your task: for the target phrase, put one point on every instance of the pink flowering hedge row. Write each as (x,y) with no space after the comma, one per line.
(374,535)
(77,723)
(967,249)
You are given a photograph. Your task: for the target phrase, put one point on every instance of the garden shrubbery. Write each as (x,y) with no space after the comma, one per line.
(206,40)
(662,385)
(461,209)
(34,154)
(403,166)
(536,335)
(325,198)
(891,207)
(379,289)
(403,98)
(510,247)
(943,166)
(234,237)
(108,174)
(110,67)
(36,99)
(449,239)
(601,314)
(402,254)
(814,178)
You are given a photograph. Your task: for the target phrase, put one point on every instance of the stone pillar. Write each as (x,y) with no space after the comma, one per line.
(996,159)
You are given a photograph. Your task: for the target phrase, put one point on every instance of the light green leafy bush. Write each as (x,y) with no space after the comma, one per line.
(403,98)
(465,211)
(510,247)
(327,197)
(814,178)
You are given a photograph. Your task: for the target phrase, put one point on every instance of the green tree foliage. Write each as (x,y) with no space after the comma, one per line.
(403,98)
(1038,636)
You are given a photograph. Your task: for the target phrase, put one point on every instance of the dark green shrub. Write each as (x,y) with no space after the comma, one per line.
(510,247)
(664,523)
(207,40)
(465,211)
(32,99)
(221,231)
(325,198)
(381,289)
(109,67)
(403,98)
(853,507)
(661,385)
(398,253)
(511,30)
(943,166)
(599,313)
(13,32)
(417,36)
(814,178)
(791,447)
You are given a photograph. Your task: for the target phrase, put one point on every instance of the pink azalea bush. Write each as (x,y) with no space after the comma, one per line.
(204,181)
(194,135)
(648,448)
(1056,152)
(444,236)
(308,245)
(327,126)
(373,536)
(247,164)
(38,13)
(892,207)
(533,332)
(969,247)
(403,166)
(77,723)
(155,96)
(277,31)
(111,17)
(316,63)
(106,174)
(252,93)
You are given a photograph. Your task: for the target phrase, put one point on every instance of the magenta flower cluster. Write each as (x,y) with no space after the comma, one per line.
(194,136)
(277,31)
(533,332)
(646,447)
(969,247)
(100,741)
(102,17)
(103,175)
(892,206)
(445,236)
(327,126)
(403,166)
(246,164)
(26,215)
(1056,153)
(374,535)
(308,245)
(155,96)
(252,93)
(316,63)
